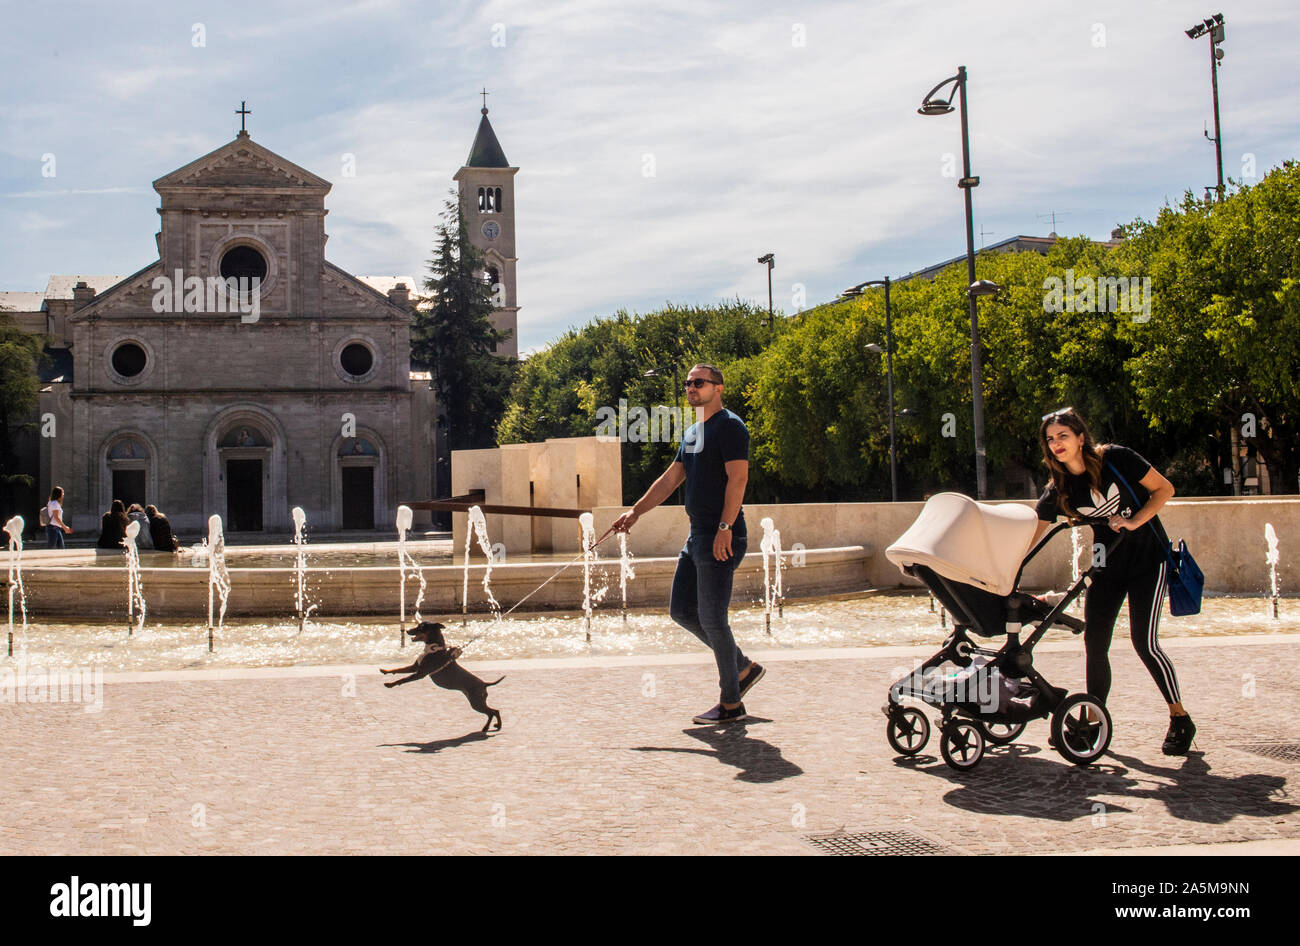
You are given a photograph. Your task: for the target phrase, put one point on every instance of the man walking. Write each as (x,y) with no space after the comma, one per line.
(713,460)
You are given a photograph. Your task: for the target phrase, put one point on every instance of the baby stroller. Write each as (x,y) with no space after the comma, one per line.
(971,556)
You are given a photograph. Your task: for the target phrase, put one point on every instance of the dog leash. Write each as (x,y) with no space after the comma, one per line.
(571,561)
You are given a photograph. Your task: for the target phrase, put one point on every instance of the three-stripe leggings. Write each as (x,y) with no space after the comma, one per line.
(1146,594)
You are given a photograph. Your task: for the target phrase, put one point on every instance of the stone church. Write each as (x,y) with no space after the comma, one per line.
(295,389)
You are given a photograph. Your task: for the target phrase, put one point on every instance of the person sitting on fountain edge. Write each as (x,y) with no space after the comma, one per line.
(160,531)
(713,461)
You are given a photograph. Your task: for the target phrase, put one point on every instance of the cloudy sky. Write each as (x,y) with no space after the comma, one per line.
(662,147)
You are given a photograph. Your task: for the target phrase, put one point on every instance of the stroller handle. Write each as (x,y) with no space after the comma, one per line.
(1080,521)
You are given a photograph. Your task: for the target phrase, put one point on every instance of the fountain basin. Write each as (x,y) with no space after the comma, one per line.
(94,593)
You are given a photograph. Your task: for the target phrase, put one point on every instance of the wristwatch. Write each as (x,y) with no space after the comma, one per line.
(723,527)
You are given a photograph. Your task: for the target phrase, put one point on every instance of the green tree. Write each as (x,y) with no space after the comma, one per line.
(19,394)
(1224,337)
(453,335)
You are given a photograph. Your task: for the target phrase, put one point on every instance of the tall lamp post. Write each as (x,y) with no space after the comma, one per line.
(770,260)
(889,374)
(931,105)
(1213,26)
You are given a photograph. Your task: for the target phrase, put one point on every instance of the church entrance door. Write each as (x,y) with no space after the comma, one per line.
(128,486)
(244,495)
(358,497)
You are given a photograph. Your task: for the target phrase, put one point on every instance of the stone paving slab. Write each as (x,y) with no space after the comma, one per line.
(604,759)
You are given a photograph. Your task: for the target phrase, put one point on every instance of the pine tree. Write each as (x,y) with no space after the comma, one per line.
(453,336)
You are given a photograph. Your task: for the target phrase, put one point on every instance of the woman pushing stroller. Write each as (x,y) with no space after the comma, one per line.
(1114,482)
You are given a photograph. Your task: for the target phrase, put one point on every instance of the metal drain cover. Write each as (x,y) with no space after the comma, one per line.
(1286,751)
(876,843)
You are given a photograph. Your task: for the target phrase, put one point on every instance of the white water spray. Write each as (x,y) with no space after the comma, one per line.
(587,523)
(625,572)
(218,577)
(1075,570)
(1272,558)
(773,594)
(477,529)
(300,601)
(404,519)
(134,580)
(15,529)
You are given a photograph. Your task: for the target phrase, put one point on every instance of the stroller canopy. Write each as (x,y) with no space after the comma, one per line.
(975,543)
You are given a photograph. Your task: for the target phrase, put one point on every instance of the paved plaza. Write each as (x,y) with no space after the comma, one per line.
(600,756)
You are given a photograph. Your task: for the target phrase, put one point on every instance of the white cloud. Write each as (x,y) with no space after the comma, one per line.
(813,152)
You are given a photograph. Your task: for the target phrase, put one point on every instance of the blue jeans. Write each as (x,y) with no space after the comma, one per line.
(699,601)
(53,537)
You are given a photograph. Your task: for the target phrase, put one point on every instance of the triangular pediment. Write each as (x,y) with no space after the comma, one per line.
(242,163)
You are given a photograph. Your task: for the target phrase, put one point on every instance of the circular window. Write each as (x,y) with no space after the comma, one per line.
(243,262)
(129,359)
(356,359)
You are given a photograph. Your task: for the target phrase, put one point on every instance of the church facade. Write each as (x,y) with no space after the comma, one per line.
(242,373)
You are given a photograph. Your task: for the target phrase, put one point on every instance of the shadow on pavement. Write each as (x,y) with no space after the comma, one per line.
(758,761)
(1035,783)
(439,744)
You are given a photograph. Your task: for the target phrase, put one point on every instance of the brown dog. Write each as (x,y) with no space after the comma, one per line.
(438,663)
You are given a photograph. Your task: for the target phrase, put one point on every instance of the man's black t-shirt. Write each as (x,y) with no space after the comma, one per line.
(1141,549)
(704,452)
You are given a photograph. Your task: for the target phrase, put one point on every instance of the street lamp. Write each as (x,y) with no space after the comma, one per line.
(770,260)
(889,374)
(931,105)
(1213,26)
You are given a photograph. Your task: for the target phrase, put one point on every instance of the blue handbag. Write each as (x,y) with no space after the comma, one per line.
(1186,580)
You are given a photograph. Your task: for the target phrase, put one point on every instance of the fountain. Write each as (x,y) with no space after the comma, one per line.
(625,572)
(15,529)
(1075,571)
(1272,558)
(302,609)
(404,519)
(587,523)
(772,590)
(134,581)
(477,530)
(218,577)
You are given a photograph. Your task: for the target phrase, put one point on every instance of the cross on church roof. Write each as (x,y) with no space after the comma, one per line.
(242,111)
(484,93)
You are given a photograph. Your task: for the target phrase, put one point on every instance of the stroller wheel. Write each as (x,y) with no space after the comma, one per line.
(1002,734)
(962,745)
(1078,738)
(908,731)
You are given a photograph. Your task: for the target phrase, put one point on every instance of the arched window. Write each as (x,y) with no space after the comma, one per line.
(496,203)
(493,277)
(482,199)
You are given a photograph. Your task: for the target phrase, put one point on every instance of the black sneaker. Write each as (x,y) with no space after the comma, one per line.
(720,714)
(755,674)
(1179,738)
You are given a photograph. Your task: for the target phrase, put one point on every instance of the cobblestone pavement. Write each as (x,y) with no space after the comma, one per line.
(604,759)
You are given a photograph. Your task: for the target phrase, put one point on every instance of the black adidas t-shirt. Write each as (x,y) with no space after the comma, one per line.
(1142,548)
(705,450)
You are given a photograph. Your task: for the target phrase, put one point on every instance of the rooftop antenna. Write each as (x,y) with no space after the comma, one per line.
(983,233)
(1053,214)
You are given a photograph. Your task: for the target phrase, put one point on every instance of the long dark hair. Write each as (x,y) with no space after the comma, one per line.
(1092,456)
(118,511)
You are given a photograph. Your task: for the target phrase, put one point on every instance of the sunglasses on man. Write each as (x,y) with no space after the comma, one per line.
(696,383)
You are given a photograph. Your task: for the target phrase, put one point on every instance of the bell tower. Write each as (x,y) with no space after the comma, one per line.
(487,192)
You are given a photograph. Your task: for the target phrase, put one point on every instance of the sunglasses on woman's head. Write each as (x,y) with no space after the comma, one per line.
(1058,413)
(697,383)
